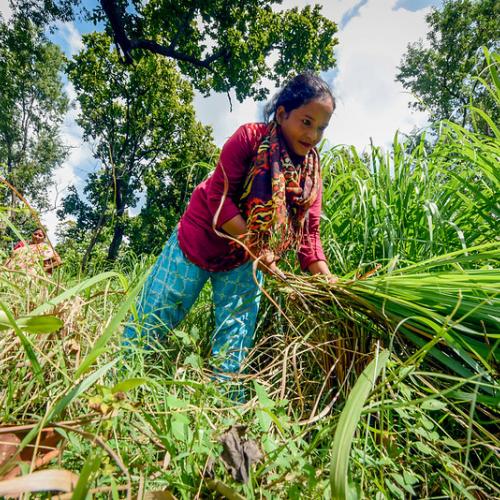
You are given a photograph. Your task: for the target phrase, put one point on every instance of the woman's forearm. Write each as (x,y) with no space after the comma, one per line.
(319,267)
(235,226)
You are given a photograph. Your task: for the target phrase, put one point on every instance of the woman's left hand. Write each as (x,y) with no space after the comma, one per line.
(321,267)
(331,278)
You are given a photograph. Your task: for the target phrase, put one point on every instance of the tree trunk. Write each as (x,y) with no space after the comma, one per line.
(93,241)
(13,199)
(119,229)
(116,241)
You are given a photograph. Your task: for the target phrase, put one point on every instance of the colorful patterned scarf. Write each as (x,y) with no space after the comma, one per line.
(276,219)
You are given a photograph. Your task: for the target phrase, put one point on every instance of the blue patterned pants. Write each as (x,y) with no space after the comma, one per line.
(171,289)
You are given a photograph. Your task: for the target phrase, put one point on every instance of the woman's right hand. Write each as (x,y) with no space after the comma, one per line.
(267,263)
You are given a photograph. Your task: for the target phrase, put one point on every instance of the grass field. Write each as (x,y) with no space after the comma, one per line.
(383,385)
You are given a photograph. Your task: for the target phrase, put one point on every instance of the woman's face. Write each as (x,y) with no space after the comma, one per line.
(38,236)
(303,127)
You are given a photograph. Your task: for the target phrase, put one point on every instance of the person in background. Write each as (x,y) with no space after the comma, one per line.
(263,198)
(37,253)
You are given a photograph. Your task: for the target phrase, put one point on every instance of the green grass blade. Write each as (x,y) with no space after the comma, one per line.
(75,290)
(90,467)
(25,342)
(348,423)
(55,412)
(129,384)
(32,324)
(110,329)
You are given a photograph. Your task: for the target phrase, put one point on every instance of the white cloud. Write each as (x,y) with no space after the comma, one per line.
(5,9)
(370,104)
(71,38)
(215,111)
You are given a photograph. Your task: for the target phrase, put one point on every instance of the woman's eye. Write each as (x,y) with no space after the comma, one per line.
(306,122)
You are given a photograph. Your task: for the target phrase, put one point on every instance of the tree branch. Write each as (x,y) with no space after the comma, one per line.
(115,17)
(179,56)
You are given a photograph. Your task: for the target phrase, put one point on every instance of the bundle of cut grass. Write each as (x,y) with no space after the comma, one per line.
(433,309)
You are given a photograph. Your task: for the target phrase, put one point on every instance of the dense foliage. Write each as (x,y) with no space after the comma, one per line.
(219,45)
(146,137)
(440,72)
(32,107)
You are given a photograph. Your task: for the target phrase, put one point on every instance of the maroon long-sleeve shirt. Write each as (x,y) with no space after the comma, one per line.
(197,239)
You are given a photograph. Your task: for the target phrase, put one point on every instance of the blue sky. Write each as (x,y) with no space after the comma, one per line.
(373,35)
(415,5)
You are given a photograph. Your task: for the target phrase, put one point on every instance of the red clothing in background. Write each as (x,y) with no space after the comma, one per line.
(196,237)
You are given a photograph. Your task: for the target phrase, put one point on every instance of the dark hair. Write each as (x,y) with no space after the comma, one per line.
(296,92)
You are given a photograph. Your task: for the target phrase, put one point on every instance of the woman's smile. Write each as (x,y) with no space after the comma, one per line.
(303,127)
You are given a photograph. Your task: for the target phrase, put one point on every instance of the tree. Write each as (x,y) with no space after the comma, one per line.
(441,75)
(219,44)
(32,107)
(143,125)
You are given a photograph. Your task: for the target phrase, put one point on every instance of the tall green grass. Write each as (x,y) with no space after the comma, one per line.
(415,201)
(424,422)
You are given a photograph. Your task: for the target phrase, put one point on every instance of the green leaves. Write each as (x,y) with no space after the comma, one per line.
(433,404)
(128,385)
(75,290)
(240,37)
(31,324)
(32,106)
(347,425)
(114,323)
(439,73)
(150,135)
(87,474)
(25,342)
(264,414)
